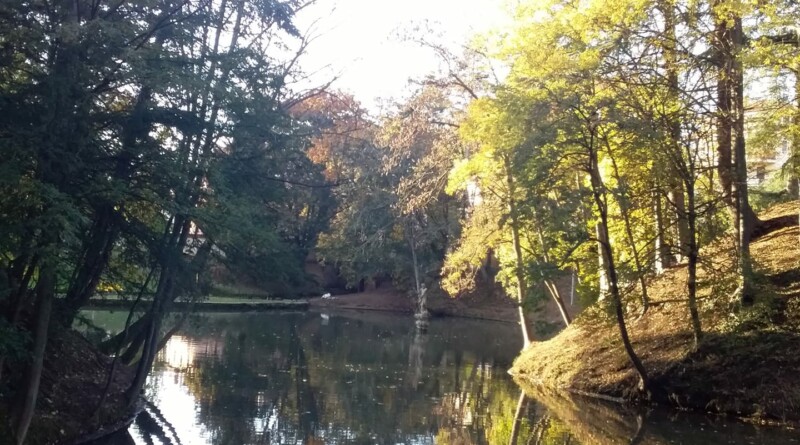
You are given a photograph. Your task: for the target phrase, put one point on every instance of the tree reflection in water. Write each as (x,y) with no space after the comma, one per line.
(295,378)
(290,378)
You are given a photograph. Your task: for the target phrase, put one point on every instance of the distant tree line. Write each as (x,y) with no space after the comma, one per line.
(605,139)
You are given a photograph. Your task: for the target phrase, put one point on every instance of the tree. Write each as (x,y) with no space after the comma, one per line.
(392,200)
(154,132)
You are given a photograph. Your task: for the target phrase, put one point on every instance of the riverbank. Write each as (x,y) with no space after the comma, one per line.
(747,364)
(73,379)
(213,304)
(545,319)
(598,422)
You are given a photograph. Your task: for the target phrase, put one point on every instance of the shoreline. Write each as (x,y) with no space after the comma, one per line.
(106,431)
(74,376)
(745,366)
(317,304)
(266,305)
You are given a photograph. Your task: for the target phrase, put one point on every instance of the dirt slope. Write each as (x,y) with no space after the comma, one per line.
(748,364)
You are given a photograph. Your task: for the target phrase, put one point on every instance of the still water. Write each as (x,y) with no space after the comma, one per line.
(369,378)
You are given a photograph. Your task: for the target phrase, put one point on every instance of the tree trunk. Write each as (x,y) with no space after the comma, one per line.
(19,277)
(556,295)
(729,38)
(622,201)
(678,201)
(663,256)
(602,267)
(746,218)
(163,296)
(100,242)
(519,261)
(599,194)
(420,294)
(683,166)
(145,361)
(119,340)
(173,279)
(676,191)
(731,153)
(794,159)
(549,284)
(45,291)
(692,254)
(722,38)
(135,345)
(124,333)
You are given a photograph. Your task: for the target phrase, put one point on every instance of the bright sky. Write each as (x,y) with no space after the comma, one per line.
(362,40)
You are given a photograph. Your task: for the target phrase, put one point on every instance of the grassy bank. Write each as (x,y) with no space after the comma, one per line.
(747,364)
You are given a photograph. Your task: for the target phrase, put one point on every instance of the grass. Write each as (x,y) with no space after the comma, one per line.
(747,364)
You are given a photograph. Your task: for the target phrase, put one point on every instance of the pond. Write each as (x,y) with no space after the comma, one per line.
(371,378)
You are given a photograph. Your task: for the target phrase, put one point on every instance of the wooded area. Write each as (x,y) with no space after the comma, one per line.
(146,142)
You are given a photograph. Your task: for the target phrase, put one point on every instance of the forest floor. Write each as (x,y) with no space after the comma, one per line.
(747,364)
(73,379)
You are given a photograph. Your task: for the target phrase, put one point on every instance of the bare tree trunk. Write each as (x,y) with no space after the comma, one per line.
(20,276)
(519,266)
(420,294)
(573,275)
(602,267)
(793,185)
(562,308)
(45,290)
(617,302)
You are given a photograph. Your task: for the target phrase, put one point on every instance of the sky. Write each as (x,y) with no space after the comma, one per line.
(360,40)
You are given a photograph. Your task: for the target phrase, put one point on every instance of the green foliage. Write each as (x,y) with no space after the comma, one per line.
(117,129)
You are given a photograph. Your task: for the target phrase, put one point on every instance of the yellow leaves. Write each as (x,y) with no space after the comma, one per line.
(481,234)
(549,26)
(493,125)
(733,8)
(459,177)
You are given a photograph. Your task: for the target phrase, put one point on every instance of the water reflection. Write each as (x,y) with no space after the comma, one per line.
(301,378)
(577,420)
